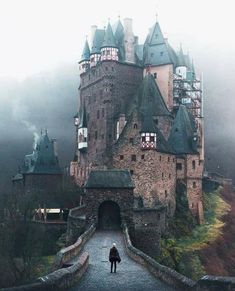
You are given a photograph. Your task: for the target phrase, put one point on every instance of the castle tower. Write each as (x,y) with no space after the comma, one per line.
(184,141)
(82,130)
(84,63)
(181,67)
(97,40)
(109,50)
(160,57)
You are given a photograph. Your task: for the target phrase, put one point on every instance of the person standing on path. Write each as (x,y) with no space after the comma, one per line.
(114,258)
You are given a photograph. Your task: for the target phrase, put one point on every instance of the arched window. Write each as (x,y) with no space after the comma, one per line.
(135,126)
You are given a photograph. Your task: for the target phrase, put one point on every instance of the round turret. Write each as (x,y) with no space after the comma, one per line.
(109,50)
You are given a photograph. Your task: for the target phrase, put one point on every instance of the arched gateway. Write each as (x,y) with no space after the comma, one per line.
(109,198)
(109,216)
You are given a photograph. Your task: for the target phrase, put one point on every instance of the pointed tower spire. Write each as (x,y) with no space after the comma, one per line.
(109,39)
(86,51)
(109,50)
(84,63)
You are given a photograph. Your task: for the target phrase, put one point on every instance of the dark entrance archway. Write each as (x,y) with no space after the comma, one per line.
(109,216)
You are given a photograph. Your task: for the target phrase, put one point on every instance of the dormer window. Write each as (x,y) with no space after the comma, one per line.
(148,140)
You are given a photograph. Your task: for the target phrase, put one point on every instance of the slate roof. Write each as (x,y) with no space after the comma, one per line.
(182,132)
(86,52)
(150,98)
(157,51)
(118,30)
(109,38)
(82,117)
(97,41)
(139,52)
(181,58)
(118,178)
(43,159)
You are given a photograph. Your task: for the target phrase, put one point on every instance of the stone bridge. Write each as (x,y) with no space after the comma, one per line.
(130,275)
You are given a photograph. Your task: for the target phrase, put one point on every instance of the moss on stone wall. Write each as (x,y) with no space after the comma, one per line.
(180,247)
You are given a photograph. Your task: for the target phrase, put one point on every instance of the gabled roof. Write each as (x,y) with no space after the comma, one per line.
(157,51)
(97,41)
(110,179)
(43,159)
(182,132)
(155,35)
(150,99)
(82,117)
(86,52)
(109,39)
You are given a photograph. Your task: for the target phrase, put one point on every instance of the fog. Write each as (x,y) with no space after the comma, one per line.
(41,42)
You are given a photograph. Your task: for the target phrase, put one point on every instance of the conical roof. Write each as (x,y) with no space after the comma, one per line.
(109,39)
(181,58)
(97,41)
(86,52)
(182,132)
(82,116)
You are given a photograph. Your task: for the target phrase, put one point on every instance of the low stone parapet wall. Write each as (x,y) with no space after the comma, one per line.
(62,278)
(215,283)
(173,278)
(66,254)
(164,273)
(59,279)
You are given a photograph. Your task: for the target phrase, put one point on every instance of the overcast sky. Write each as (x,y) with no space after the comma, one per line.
(37,35)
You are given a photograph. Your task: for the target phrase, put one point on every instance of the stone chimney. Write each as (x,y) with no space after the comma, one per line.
(129,41)
(93,29)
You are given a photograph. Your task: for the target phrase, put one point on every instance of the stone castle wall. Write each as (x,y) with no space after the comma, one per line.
(153,173)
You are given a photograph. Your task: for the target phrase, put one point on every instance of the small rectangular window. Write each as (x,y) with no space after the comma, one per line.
(162,175)
(98,114)
(178,166)
(133,158)
(131,140)
(102,112)
(193,165)
(132,172)
(121,157)
(168,159)
(142,157)
(96,134)
(155,75)
(194,185)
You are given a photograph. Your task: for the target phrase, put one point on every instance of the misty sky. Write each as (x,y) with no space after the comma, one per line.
(38,35)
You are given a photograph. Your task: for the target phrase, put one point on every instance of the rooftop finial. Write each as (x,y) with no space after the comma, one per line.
(156,15)
(109,20)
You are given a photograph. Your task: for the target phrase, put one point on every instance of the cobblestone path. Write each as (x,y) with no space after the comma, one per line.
(130,276)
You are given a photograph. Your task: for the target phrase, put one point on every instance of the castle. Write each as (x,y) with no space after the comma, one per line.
(40,173)
(139,126)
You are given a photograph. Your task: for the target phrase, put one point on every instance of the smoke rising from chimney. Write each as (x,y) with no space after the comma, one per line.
(20,114)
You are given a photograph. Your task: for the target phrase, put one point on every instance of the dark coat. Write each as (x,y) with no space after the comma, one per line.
(114,255)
